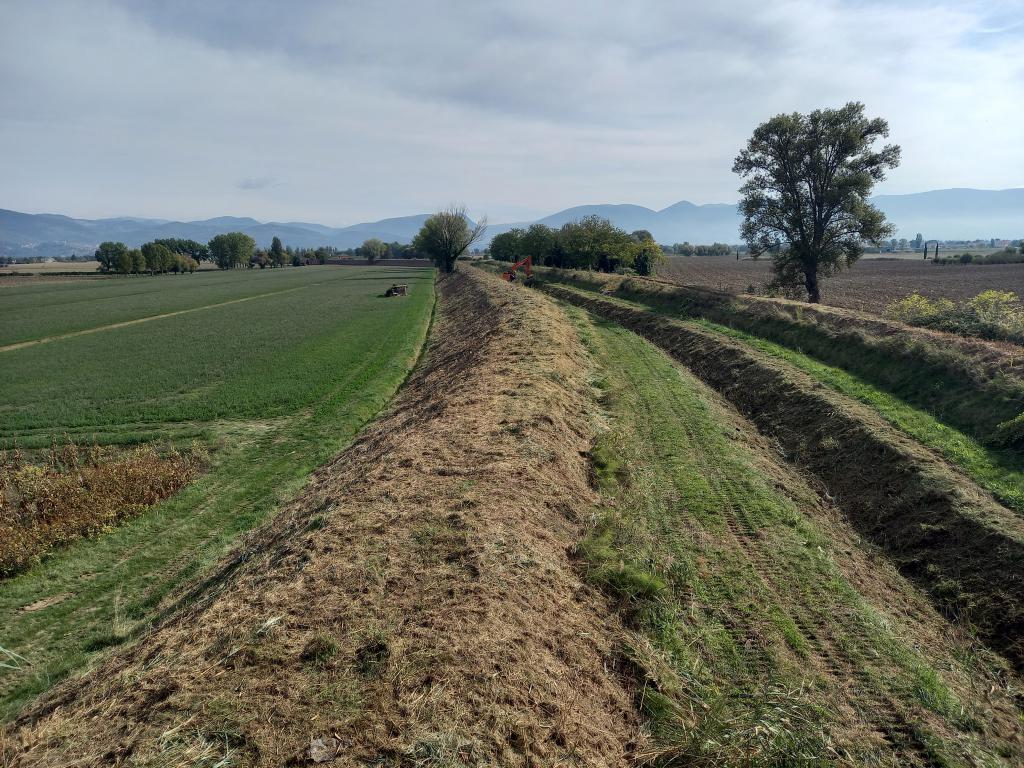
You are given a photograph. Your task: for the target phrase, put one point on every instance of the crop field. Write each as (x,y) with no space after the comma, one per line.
(273,372)
(870,286)
(608,521)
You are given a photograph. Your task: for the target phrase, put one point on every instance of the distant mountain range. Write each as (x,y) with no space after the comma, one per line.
(946,214)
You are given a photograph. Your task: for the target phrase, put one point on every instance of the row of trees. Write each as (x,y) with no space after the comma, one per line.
(157,257)
(592,243)
(685,249)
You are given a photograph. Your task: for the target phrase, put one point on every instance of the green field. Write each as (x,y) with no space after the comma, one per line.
(275,383)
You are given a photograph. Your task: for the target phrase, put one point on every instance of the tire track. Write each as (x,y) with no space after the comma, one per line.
(137,321)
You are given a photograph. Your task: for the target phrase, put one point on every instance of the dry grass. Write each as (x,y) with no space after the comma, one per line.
(80,493)
(416,607)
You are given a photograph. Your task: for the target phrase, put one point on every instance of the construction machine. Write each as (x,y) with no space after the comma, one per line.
(527,265)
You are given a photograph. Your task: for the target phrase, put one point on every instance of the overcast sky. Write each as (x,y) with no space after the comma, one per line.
(340,112)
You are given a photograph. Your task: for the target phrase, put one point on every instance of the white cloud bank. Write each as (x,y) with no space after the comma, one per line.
(342,112)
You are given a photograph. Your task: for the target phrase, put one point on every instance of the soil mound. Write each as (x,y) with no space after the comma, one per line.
(416,606)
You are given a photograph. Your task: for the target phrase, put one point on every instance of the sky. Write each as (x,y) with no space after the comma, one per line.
(349,111)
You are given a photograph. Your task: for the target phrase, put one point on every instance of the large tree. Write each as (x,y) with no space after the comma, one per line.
(508,245)
(159,258)
(109,255)
(373,249)
(647,254)
(805,198)
(232,249)
(190,248)
(447,235)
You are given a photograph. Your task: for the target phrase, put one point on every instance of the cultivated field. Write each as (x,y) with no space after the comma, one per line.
(272,372)
(870,286)
(609,522)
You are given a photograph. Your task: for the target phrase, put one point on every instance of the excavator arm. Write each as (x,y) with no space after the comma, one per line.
(526,264)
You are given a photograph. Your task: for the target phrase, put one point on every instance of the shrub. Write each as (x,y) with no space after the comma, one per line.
(989,315)
(78,494)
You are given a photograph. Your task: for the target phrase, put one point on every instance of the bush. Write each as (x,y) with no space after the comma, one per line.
(989,315)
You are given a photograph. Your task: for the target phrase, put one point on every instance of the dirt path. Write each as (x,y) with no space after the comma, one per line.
(137,321)
(416,606)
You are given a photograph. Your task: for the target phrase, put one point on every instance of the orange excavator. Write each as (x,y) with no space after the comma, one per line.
(526,264)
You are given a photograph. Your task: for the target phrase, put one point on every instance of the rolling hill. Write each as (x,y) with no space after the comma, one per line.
(939,214)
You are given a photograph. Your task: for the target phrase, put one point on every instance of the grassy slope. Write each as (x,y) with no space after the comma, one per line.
(999,471)
(750,633)
(108,588)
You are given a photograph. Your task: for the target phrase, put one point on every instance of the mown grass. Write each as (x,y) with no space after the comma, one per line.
(41,309)
(928,375)
(728,676)
(1000,471)
(356,349)
(258,359)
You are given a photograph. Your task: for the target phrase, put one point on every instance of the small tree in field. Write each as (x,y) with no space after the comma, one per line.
(276,254)
(805,198)
(373,249)
(447,235)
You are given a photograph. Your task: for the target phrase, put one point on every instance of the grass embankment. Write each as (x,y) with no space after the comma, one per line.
(767,635)
(938,527)
(317,366)
(998,470)
(416,605)
(963,383)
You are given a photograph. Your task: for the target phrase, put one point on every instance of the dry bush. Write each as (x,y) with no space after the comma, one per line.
(989,315)
(79,493)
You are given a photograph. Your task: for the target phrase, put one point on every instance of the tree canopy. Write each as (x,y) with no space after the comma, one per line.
(373,249)
(447,235)
(232,249)
(590,243)
(805,198)
(109,254)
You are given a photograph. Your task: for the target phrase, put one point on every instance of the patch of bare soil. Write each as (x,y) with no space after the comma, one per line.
(936,525)
(869,286)
(416,606)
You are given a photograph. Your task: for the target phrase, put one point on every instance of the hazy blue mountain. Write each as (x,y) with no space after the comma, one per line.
(952,214)
(944,214)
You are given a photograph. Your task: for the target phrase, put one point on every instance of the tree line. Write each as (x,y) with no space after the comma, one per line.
(230,250)
(592,243)
(158,257)
(685,249)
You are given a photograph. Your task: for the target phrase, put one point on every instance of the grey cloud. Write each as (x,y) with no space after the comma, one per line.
(257,182)
(373,109)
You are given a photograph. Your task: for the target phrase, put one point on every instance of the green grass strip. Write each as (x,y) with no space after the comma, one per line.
(1001,472)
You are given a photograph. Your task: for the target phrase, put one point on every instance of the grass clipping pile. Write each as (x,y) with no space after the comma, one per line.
(416,606)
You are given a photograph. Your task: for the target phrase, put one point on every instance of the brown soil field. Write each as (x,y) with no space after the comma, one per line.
(870,286)
(416,606)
